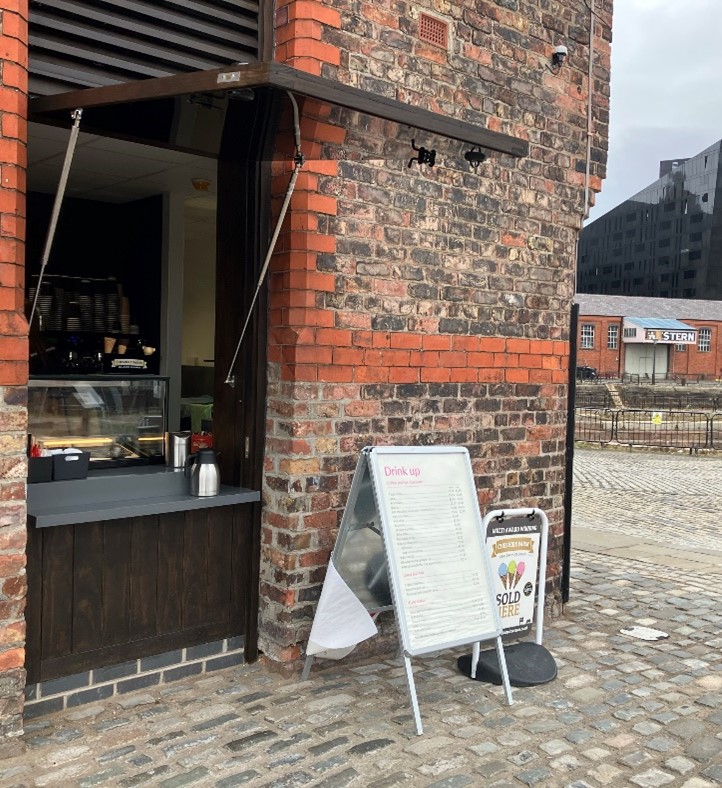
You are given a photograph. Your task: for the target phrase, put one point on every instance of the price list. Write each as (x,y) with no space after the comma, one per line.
(433,526)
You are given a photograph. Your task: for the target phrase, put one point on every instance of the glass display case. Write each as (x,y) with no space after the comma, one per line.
(120,421)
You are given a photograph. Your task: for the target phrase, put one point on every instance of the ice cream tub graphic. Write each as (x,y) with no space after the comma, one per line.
(513,547)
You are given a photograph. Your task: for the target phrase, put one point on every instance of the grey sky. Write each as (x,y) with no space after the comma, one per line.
(666,95)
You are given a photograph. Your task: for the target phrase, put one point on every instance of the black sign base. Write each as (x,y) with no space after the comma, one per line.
(528,664)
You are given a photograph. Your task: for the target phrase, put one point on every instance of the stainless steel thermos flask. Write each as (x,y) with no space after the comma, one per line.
(204,475)
(177,449)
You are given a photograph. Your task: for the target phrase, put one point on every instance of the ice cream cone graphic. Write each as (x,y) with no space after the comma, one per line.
(511,573)
(503,575)
(520,567)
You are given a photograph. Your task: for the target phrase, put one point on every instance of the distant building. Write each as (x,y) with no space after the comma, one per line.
(666,241)
(650,337)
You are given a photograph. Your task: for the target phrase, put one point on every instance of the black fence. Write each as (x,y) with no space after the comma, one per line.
(669,429)
(598,397)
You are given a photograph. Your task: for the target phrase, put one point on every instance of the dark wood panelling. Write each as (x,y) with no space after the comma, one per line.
(170,572)
(91,43)
(144,589)
(195,568)
(57,592)
(87,589)
(219,596)
(116,567)
(103,593)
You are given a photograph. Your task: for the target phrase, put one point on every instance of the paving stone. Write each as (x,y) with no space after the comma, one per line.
(714,772)
(533,776)
(680,764)
(652,779)
(340,780)
(660,744)
(704,748)
(369,746)
(240,778)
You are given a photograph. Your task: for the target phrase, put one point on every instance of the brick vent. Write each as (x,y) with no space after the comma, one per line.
(92,685)
(433,30)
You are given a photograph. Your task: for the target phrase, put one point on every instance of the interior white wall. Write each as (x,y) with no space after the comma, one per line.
(199,282)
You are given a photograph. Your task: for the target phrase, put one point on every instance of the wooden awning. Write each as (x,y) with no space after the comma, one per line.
(281,77)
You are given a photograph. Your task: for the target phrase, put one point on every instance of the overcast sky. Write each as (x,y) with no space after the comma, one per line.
(666,91)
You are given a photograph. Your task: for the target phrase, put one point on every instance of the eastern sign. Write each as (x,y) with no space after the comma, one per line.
(666,335)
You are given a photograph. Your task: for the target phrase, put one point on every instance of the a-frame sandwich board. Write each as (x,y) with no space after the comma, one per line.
(415,509)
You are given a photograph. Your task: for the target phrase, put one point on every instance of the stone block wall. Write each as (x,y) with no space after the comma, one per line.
(424,305)
(13,362)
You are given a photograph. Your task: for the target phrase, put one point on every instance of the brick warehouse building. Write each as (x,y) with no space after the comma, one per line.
(404,304)
(675,338)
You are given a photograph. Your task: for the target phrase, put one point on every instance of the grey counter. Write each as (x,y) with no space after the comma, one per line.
(118,493)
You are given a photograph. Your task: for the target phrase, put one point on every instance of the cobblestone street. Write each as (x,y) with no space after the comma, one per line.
(622,712)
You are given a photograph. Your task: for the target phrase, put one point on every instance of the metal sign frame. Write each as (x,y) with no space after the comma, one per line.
(370,462)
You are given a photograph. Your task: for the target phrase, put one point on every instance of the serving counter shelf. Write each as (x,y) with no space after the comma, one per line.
(119,493)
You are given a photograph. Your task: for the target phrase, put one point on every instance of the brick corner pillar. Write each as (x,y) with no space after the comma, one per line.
(13,366)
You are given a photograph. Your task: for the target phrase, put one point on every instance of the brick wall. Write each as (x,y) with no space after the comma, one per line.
(415,306)
(13,362)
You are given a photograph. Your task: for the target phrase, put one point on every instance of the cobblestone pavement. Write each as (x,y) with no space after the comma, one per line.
(622,712)
(669,498)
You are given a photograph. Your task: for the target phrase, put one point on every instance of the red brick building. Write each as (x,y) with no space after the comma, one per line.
(405,303)
(675,339)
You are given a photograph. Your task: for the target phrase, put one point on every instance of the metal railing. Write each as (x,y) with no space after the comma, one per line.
(669,429)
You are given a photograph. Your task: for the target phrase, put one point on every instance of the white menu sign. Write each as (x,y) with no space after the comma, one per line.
(438,566)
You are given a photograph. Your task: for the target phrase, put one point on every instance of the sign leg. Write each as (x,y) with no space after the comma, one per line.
(412,695)
(307,667)
(504,672)
(474,658)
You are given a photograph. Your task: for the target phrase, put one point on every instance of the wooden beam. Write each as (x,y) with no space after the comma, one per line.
(282,77)
(368,103)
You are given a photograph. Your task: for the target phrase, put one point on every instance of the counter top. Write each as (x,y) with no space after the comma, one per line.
(119,493)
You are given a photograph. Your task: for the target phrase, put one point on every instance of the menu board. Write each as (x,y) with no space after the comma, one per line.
(439,569)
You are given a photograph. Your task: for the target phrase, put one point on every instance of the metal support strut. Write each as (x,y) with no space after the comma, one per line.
(298,161)
(76,115)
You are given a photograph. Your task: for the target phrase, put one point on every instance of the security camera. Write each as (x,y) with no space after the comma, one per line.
(559,55)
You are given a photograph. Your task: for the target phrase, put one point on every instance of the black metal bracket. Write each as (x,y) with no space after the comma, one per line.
(424,157)
(475,156)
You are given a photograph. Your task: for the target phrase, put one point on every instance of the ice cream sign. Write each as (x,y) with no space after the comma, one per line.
(513,547)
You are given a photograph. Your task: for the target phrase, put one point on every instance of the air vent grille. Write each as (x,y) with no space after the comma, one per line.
(433,30)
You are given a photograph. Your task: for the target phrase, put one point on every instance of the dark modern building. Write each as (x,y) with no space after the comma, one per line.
(666,241)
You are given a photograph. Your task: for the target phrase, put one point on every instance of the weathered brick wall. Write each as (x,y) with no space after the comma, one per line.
(13,362)
(423,306)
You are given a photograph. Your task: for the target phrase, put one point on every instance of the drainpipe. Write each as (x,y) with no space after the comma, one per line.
(590,92)
(569,471)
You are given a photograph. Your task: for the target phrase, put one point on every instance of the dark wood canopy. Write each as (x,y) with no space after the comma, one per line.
(282,77)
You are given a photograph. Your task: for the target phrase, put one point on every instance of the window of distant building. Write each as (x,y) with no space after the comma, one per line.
(688,292)
(680,348)
(690,273)
(696,218)
(612,337)
(587,336)
(630,332)
(704,342)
